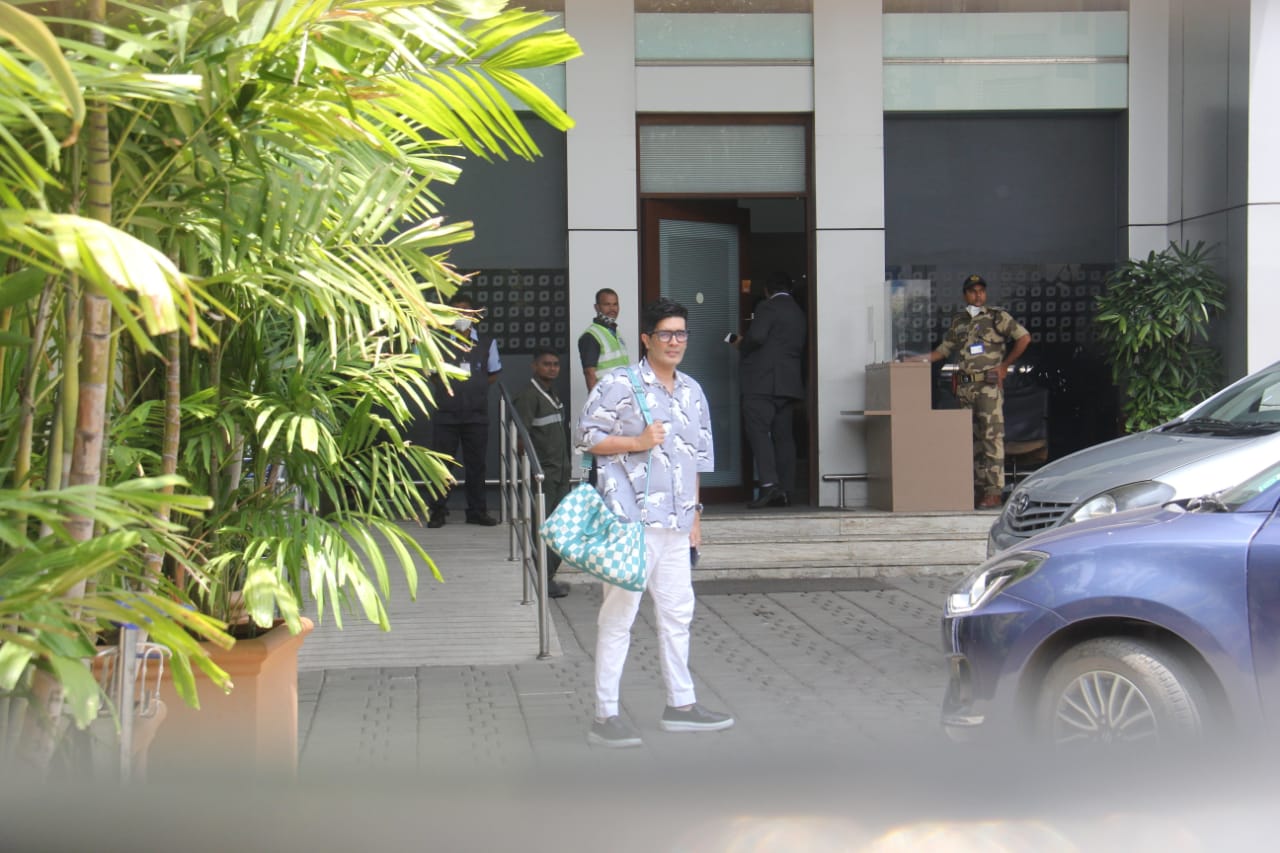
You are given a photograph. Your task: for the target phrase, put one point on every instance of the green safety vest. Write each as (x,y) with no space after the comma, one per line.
(612,352)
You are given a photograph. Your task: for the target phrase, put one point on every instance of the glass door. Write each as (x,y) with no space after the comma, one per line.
(695,253)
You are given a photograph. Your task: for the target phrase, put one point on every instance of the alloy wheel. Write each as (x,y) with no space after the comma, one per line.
(1103,707)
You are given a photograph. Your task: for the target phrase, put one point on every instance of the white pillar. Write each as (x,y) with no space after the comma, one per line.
(1263,264)
(1151,173)
(848,163)
(600,95)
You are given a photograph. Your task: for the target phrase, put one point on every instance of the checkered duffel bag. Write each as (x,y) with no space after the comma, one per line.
(589,537)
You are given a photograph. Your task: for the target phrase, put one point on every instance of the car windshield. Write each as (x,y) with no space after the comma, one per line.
(1251,408)
(1236,496)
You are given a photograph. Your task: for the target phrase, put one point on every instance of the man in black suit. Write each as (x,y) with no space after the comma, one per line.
(772,354)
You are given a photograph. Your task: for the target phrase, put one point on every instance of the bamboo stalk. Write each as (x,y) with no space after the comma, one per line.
(41,729)
(169,444)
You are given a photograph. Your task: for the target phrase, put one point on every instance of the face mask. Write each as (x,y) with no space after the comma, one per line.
(462,324)
(973,310)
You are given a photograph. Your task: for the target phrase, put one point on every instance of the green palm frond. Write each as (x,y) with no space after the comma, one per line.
(151,294)
(31,36)
(41,624)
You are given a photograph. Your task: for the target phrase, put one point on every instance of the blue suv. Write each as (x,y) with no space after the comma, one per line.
(1150,625)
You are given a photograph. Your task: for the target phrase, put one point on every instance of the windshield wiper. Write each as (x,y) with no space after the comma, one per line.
(1220,427)
(1259,427)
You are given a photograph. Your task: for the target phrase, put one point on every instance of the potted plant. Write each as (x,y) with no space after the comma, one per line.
(1153,322)
(261,295)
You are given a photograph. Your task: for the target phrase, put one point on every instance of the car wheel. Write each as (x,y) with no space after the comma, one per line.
(1119,690)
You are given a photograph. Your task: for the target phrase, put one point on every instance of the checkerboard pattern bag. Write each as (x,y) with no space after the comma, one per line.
(592,539)
(589,537)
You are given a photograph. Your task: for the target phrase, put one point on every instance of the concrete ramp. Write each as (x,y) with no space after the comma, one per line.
(473,618)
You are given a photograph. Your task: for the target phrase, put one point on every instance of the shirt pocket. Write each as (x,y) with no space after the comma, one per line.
(990,335)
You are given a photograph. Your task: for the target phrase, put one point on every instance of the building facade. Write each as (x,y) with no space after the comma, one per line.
(858,143)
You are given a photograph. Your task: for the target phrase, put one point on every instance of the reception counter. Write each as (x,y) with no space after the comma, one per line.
(918,458)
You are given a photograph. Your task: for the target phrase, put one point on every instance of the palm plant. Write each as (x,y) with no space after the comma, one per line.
(274,255)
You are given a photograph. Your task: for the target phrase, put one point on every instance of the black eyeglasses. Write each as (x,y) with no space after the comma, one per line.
(668,335)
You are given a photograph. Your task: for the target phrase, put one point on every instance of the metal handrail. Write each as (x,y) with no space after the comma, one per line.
(524,507)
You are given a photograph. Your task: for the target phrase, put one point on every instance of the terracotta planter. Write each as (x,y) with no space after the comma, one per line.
(253,730)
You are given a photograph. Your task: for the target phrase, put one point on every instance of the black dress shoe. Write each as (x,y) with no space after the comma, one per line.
(557,589)
(436,521)
(771,496)
(482,518)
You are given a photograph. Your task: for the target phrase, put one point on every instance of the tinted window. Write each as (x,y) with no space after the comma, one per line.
(1255,401)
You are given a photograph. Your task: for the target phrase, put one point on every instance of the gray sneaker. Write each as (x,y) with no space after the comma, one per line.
(613,733)
(695,719)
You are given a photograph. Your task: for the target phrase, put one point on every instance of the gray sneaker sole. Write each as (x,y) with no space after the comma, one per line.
(681,726)
(621,743)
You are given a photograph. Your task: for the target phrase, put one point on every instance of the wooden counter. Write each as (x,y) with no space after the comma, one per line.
(918,458)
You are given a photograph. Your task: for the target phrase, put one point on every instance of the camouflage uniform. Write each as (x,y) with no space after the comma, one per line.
(980,344)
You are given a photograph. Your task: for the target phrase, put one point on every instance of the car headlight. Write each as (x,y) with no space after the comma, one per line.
(1130,496)
(991,577)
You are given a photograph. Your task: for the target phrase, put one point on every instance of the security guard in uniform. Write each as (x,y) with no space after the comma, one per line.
(987,341)
(461,418)
(542,413)
(601,348)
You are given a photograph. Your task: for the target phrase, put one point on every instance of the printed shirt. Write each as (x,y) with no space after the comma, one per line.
(612,409)
(991,328)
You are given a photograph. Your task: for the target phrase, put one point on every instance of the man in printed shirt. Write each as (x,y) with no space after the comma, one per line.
(678,443)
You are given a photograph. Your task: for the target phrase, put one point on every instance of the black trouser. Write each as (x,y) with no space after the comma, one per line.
(767,421)
(474,440)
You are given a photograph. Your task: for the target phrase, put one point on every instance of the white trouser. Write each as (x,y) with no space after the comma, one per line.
(670,585)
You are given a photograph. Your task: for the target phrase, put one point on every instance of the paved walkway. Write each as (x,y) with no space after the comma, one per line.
(449,734)
(805,666)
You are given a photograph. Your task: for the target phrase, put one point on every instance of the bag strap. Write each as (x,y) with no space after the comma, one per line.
(644,410)
(644,405)
(648,419)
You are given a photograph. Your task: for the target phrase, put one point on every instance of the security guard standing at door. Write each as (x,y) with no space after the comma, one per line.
(461,418)
(601,348)
(987,340)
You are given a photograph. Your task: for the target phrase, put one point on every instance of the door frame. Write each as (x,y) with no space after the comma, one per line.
(812,305)
(725,211)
